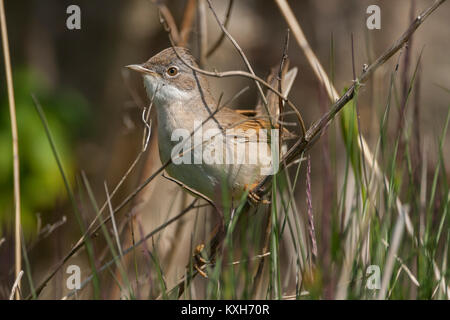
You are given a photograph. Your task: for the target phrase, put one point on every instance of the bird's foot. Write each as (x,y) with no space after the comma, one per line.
(200,262)
(253,197)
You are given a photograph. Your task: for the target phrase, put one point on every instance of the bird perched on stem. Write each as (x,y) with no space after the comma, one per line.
(214,150)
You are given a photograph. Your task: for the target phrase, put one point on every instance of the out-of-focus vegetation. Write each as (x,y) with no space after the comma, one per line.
(41,184)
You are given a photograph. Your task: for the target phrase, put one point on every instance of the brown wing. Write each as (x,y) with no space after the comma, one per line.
(236,120)
(246,112)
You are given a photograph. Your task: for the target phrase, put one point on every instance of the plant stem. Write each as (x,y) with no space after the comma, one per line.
(15,144)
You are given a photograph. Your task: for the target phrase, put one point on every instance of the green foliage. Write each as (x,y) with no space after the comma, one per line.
(349,127)
(41,183)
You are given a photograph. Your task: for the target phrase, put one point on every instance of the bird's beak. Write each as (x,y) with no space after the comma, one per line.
(141,69)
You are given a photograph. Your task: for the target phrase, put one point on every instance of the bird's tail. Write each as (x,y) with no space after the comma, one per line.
(287,81)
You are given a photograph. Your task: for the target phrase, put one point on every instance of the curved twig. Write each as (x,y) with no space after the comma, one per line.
(320,125)
(219,41)
(143,240)
(240,73)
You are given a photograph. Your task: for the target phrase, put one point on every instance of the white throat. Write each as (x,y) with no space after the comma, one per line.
(164,93)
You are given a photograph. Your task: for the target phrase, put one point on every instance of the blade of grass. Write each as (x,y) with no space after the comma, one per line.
(435,181)
(116,257)
(28,268)
(140,242)
(275,278)
(77,214)
(113,219)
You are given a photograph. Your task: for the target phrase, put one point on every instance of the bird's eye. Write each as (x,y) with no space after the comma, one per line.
(172,71)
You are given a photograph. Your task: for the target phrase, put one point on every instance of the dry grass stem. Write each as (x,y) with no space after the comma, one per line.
(202,31)
(15,145)
(333,94)
(241,52)
(311,229)
(137,244)
(16,287)
(113,219)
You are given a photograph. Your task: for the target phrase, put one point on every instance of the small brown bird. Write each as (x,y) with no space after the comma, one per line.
(223,152)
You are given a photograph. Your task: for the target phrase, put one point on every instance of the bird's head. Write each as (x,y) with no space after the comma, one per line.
(169,77)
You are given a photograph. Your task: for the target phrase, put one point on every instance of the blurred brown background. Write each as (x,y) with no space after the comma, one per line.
(107,134)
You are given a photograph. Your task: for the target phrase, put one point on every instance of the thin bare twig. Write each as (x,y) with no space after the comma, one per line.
(202,31)
(132,90)
(311,229)
(147,127)
(259,256)
(15,145)
(113,219)
(186,24)
(142,241)
(165,12)
(303,43)
(16,287)
(235,96)
(239,73)
(405,87)
(241,52)
(317,128)
(90,231)
(360,137)
(45,232)
(257,279)
(189,189)
(280,78)
(147,123)
(219,41)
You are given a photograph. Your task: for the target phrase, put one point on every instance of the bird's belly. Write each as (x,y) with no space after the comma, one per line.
(216,163)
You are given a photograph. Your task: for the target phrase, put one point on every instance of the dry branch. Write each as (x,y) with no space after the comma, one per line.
(319,126)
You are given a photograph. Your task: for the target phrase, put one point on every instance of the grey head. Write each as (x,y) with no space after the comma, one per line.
(170,78)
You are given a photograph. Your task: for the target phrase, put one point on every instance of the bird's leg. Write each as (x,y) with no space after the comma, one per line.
(215,243)
(200,262)
(215,240)
(216,236)
(253,196)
